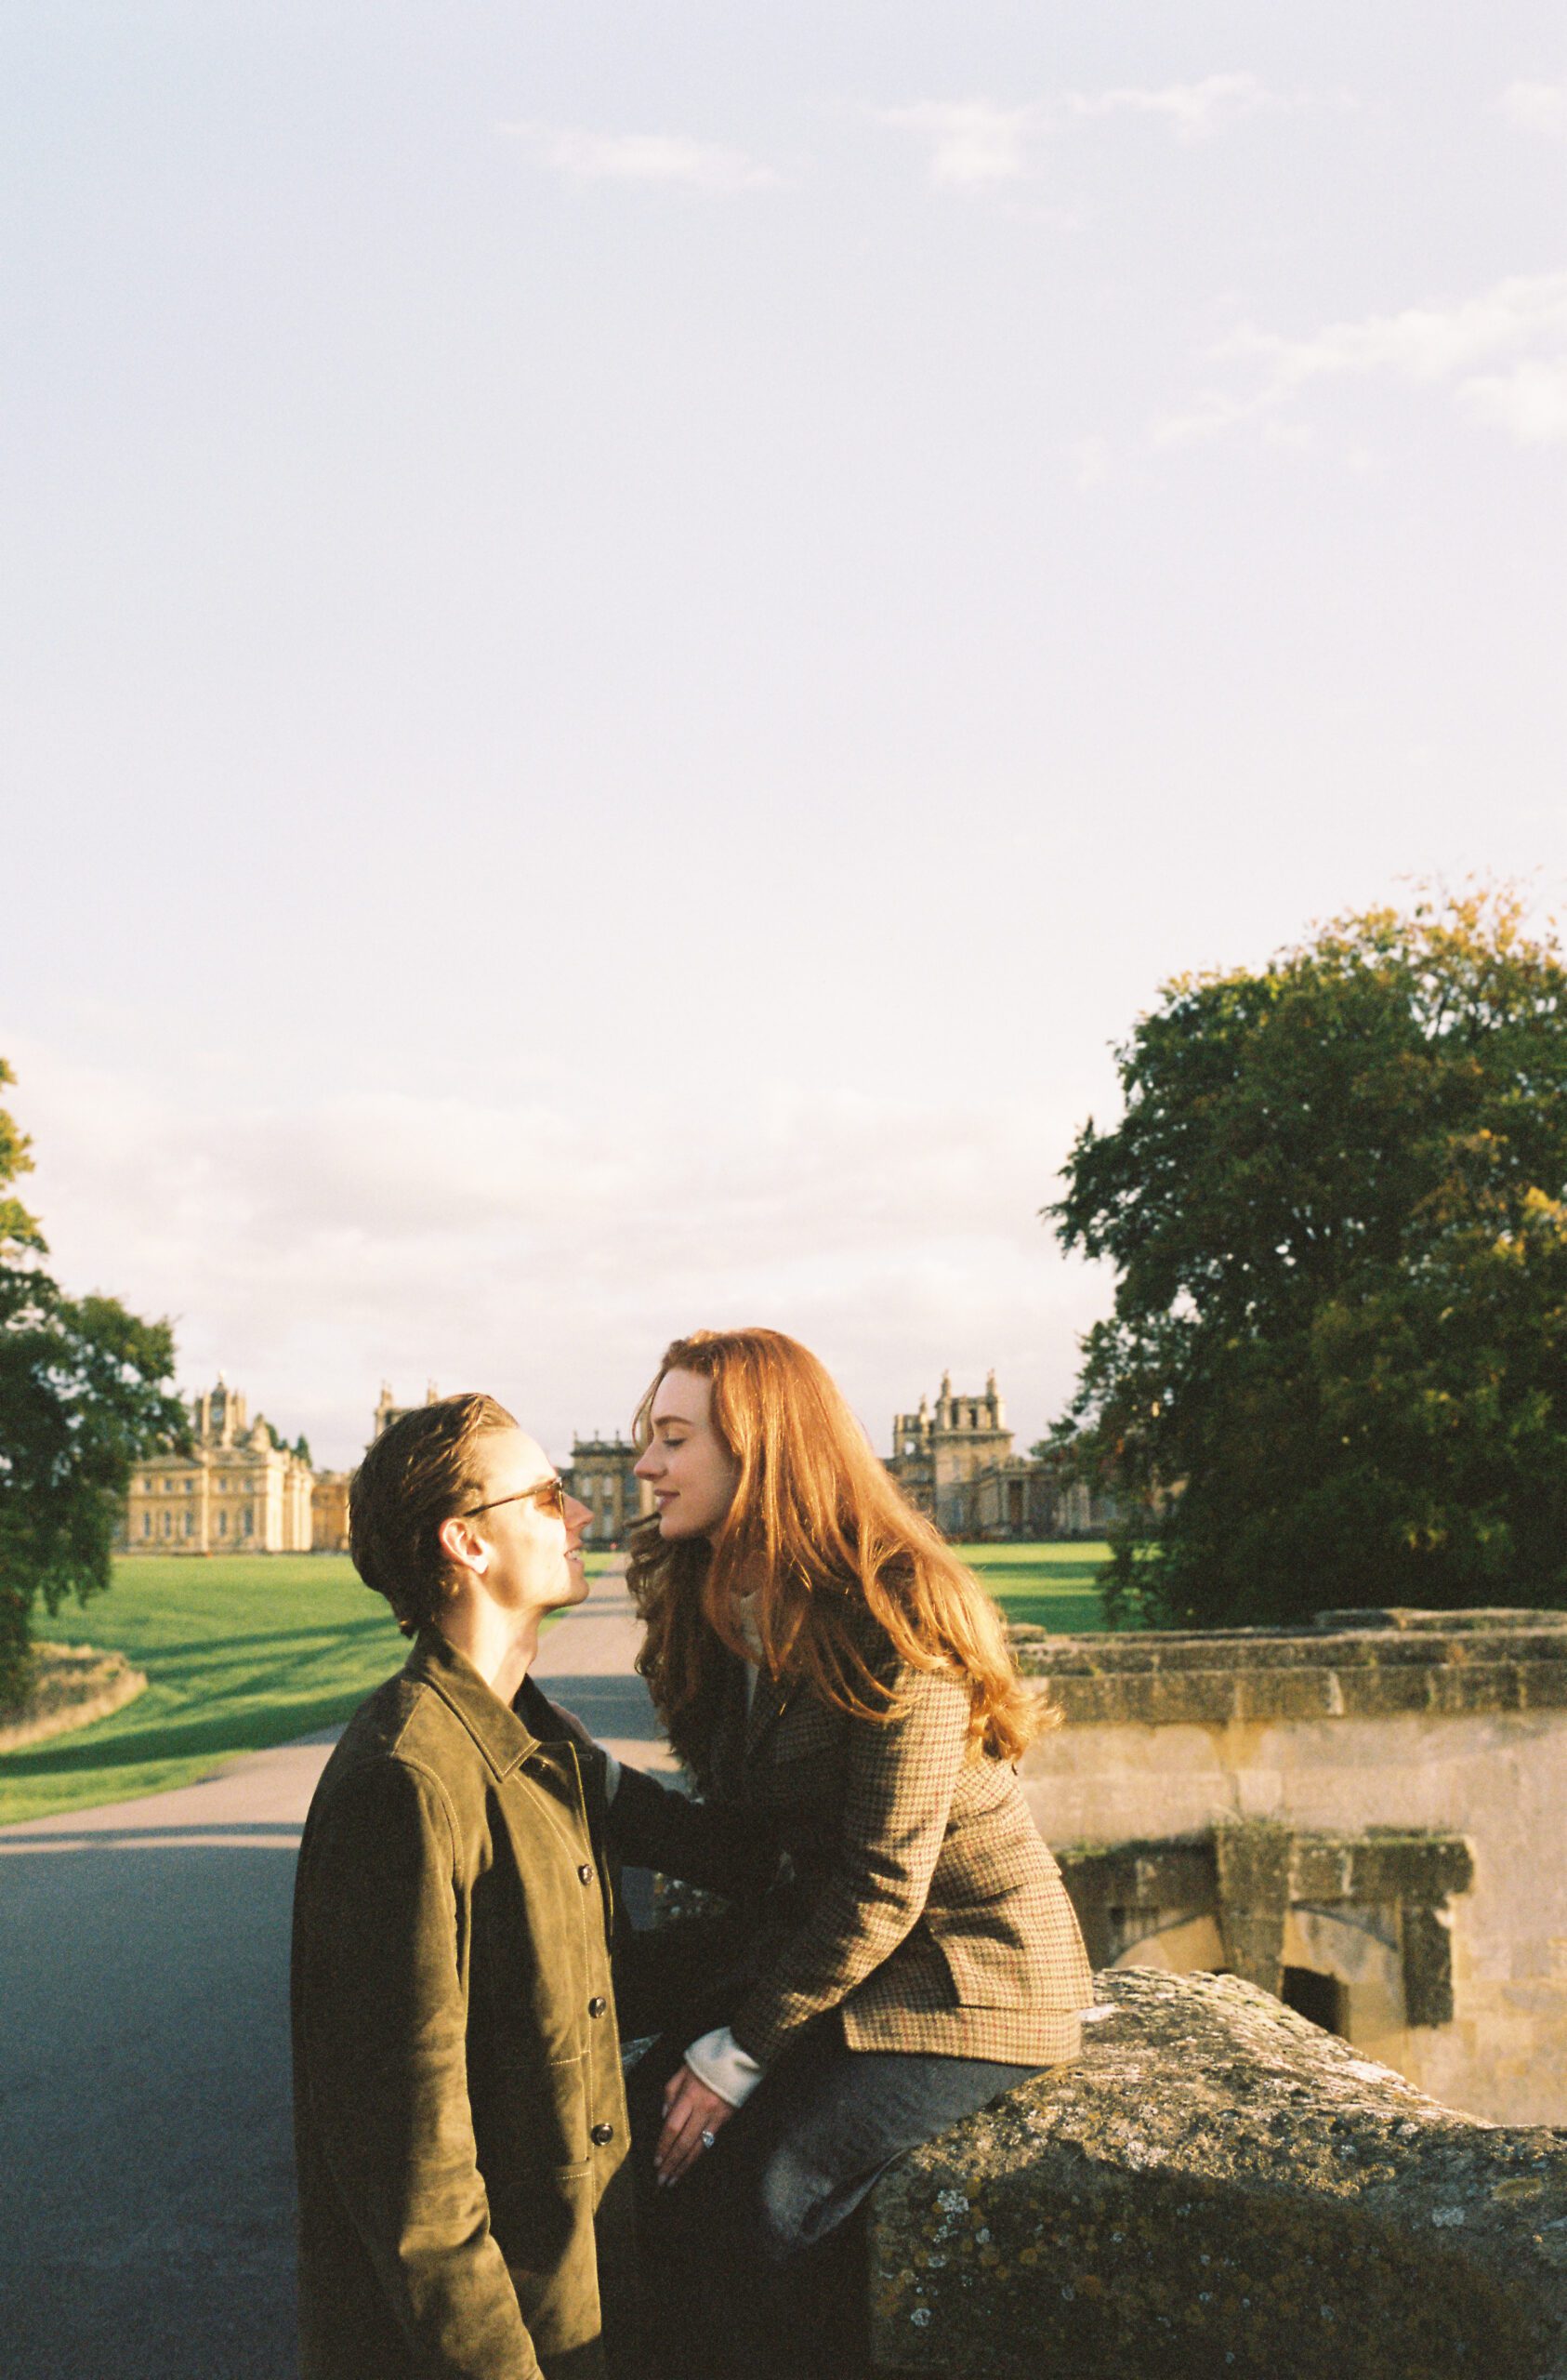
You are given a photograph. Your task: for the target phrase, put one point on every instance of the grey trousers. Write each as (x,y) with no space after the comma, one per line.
(748,2270)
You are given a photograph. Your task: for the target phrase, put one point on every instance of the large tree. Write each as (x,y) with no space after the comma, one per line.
(84,1391)
(1336,1367)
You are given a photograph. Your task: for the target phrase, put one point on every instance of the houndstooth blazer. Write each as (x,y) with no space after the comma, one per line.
(924,1905)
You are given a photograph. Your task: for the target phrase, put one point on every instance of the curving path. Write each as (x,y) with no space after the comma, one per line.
(146,2165)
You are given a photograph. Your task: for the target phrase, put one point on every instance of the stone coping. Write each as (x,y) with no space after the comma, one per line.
(1218,2188)
(1349,1664)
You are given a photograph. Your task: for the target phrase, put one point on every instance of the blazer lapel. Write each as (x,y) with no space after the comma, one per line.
(728,1757)
(770,1699)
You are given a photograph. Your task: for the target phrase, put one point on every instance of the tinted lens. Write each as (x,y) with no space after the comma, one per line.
(551,1497)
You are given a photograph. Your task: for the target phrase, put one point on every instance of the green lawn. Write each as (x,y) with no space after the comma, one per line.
(240,1651)
(244,1651)
(1051,1585)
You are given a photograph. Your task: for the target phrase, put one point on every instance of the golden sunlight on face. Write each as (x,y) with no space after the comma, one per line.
(691,1471)
(535,1553)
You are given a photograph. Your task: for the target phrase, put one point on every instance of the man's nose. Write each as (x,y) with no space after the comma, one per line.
(577,1514)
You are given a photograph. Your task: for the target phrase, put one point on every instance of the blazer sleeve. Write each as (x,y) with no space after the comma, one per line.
(717,1845)
(900,1777)
(381,2041)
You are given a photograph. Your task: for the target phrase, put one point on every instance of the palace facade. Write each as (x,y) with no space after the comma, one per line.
(388,1410)
(241,1490)
(955,1461)
(602,1475)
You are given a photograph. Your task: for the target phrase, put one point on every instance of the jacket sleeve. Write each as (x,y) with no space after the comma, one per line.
(899,1779)
(717,1845)
(381,2037)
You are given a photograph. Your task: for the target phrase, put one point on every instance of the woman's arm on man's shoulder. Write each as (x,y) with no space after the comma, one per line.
(720,1846)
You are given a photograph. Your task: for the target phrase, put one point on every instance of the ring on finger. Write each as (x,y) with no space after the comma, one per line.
(706,2139)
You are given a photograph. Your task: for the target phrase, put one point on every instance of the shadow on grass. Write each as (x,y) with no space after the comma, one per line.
(202,1733)
(318,1632)
(316,1659)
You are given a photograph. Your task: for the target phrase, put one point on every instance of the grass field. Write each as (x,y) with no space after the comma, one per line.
(1050,1585)
(240,1651)
(243,1651)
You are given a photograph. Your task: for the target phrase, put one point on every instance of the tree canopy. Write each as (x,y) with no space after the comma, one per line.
(1335,1371)
(84,1391)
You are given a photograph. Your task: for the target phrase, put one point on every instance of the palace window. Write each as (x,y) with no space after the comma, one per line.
(146,1524)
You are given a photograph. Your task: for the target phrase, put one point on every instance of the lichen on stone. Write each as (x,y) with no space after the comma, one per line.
(1217,2187)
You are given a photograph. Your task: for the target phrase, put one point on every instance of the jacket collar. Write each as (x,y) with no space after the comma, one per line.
(500,1734)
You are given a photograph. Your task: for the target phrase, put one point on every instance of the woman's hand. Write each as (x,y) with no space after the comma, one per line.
(689,2109)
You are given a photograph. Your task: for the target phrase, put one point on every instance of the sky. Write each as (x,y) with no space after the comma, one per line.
(633,639)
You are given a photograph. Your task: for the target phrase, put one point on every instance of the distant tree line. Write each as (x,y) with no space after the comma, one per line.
(1335,1371)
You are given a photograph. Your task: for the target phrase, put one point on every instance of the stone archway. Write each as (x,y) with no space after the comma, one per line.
(1190,1945)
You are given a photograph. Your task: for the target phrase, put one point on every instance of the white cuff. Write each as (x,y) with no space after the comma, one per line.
(718,2060)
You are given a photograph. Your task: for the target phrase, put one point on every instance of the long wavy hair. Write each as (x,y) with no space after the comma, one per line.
(820,1535)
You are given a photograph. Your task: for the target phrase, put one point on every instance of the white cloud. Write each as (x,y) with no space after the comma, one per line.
(1530,401)
(1519,324)
(1193,111)
(971,141)
(312,1251)
(657,157)
(1539,107)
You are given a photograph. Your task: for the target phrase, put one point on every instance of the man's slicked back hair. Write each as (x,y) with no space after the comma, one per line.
(419,1472)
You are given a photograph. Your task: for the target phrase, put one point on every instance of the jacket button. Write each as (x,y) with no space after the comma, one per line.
(602,2133)
(585,1874)
(596,2007)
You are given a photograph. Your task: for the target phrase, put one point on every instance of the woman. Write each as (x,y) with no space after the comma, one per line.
(900,1948)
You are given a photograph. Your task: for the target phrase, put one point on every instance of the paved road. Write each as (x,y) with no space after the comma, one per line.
(146,2175)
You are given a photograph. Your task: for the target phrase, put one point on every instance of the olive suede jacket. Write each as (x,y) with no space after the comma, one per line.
(459,2114)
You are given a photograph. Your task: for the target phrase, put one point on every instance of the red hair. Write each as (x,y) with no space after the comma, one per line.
(820,1534)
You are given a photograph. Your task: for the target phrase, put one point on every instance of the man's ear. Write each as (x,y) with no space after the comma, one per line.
(463,1545)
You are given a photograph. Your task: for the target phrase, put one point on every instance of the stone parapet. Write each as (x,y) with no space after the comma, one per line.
(1383,1663)
(1220,2189)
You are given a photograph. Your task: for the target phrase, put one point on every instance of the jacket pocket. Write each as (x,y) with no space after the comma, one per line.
(532,2119)
(995,1961)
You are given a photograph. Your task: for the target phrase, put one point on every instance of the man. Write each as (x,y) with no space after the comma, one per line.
(459,2114)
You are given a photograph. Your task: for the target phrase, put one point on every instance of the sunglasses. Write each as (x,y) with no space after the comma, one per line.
(549,1496)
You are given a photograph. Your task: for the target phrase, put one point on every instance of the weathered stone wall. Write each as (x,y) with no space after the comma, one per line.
(74,1684)
(1218,2191)
(1449,1730)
